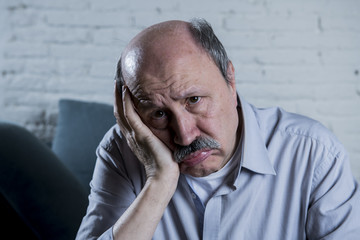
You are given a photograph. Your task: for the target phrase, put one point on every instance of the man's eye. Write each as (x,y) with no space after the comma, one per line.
(158,114)
(194,100)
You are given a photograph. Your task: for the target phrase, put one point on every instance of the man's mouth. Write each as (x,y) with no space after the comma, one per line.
(197,151)
(197,157)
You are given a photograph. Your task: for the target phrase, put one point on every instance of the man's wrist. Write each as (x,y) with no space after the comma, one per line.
(165,183)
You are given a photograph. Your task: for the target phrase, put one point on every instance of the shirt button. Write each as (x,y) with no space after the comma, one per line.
(193,195)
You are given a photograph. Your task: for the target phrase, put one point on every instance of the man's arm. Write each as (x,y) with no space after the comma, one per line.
(334,211)
(142,217)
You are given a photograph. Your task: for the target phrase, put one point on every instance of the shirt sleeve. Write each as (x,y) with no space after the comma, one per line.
(116,182)
(334,211)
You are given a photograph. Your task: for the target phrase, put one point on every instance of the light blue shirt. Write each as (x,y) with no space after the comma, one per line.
(293,181)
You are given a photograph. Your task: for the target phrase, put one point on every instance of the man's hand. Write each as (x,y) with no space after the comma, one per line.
(162,173)
(153,153)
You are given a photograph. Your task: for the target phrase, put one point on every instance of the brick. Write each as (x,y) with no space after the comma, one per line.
(269,56)
(321,7)
(103,69)
(289,39)
(352,149)
(15,5)
(341,22)
(345,126)
(292,74)
(52,68)
(345,8)
(104,36)
(261,22)
(87,19)
(158,5)
(11,67)
(42,67)
(58,5)
(339,108)
(149,17)
(268,91)
(83,52)
(24,49)
(341,57)
(23,17)
(315,40)
(117,37)
(52,35)
(73,67)
(110,5)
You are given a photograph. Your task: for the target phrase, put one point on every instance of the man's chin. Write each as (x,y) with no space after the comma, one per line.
(199,170)
(196,172)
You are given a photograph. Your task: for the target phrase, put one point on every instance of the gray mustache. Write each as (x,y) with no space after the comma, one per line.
(198,144)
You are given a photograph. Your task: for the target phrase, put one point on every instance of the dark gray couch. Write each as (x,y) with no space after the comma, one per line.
(44,190)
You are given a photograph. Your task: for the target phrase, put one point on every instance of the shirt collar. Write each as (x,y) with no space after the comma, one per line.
(254,152)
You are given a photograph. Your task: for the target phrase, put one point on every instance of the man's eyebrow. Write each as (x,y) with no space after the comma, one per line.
(144,104)
(191,92)
(141,100)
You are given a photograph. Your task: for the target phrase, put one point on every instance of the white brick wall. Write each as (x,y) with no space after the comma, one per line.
(303,55)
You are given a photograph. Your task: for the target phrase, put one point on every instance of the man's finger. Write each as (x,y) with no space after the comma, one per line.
(133,119)
(119,111)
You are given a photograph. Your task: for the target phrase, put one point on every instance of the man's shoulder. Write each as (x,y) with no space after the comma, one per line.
(277,120)
(114,148)
(112,138)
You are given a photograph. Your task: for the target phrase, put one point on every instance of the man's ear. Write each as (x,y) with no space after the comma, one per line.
(231,79)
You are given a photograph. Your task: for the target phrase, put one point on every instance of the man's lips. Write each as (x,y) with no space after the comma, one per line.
(196,157)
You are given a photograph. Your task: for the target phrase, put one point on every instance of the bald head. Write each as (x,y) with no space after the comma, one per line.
(155,47)
(150,36)
(159,44)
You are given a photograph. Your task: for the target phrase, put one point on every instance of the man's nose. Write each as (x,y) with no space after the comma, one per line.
(185,128)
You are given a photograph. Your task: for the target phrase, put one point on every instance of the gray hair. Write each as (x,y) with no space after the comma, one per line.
(203,33)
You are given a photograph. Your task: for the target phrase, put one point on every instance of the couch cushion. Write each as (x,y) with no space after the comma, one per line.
(37,188)
(81,126)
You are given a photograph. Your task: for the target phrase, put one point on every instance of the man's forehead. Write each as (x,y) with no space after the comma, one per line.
(154,36)
(156,45)
(148,98)
(177,76)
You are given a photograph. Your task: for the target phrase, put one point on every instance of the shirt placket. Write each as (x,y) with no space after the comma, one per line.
(212,218)
(200,209)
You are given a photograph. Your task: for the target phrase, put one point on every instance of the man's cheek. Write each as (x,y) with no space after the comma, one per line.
(164,136)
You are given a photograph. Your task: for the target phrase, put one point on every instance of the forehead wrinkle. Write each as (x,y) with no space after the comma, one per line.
(146,94)
(157,102)
(148,85)
(160,93)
